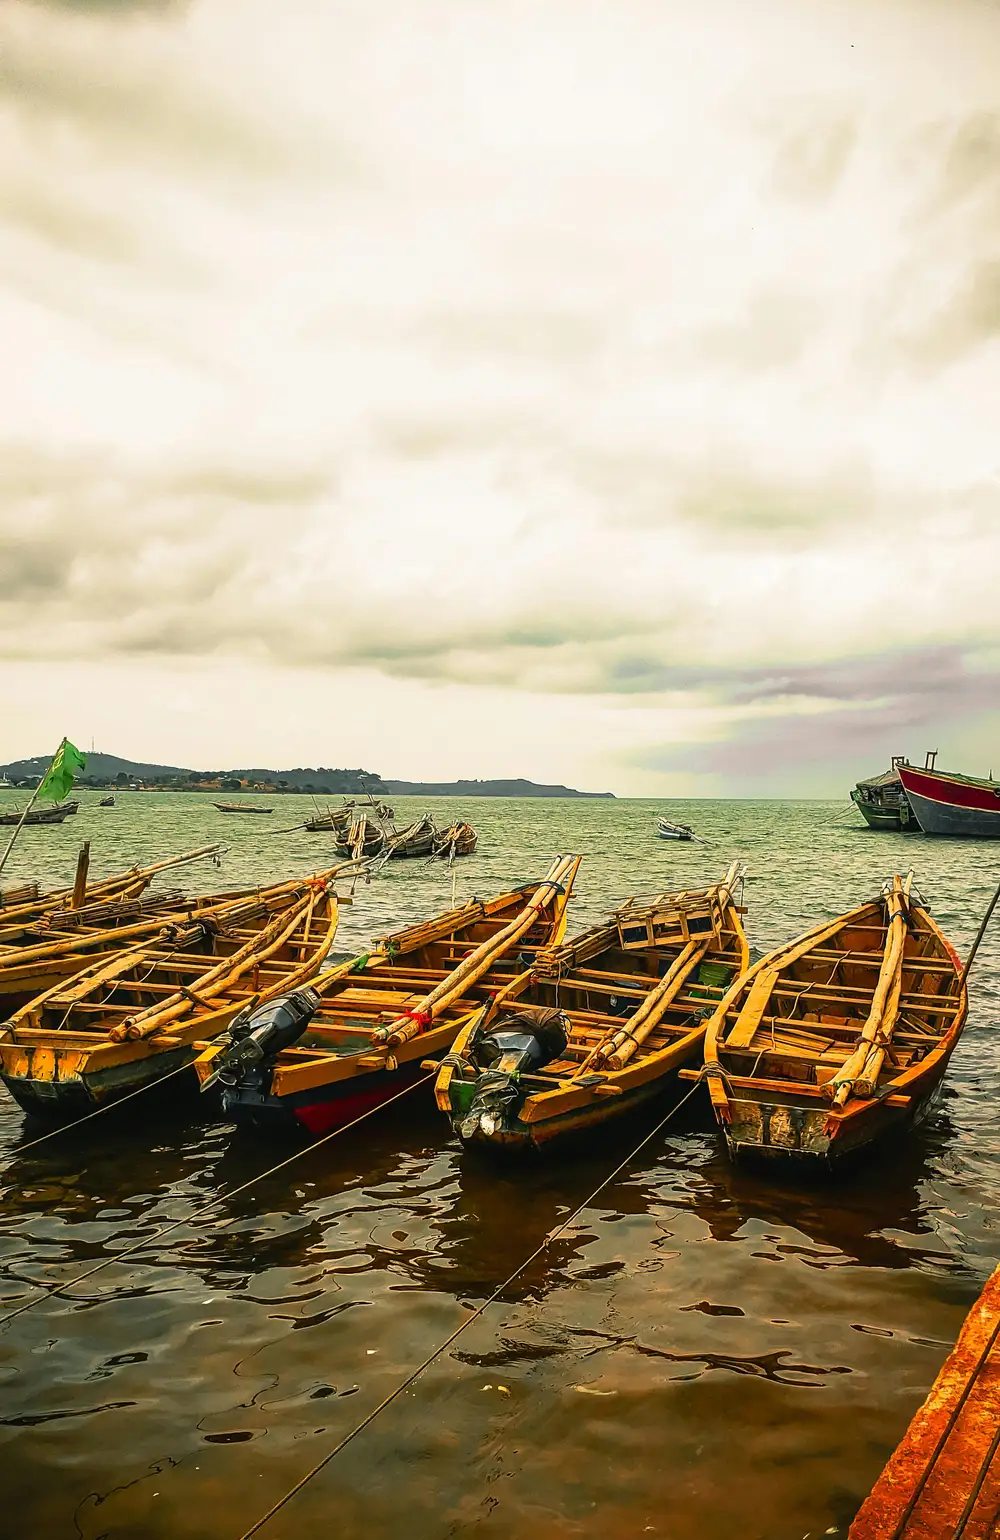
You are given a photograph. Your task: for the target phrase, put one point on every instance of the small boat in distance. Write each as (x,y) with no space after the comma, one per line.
(946,803)
(673,831)
(106,802)
(599,1025)
(40,815)
(882,802)
(838,1037)
(241,807)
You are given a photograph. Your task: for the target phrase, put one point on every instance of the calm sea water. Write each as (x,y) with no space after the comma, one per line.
(706,1353)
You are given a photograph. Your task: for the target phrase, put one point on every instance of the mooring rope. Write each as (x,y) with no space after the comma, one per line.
(464,1326)
(65,1128)
(214,1203)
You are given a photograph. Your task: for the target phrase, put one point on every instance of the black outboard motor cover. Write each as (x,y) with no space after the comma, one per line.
(264,1033)
(520,1042)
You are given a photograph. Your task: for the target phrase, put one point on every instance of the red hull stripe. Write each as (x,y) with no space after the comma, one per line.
(983,796)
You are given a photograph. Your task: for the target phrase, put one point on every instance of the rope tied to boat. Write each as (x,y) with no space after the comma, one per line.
(422,1018)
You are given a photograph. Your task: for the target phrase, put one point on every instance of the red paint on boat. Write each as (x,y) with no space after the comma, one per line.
(955,791)
(321,1117)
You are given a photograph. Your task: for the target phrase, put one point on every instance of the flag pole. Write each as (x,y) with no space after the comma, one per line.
(20,825)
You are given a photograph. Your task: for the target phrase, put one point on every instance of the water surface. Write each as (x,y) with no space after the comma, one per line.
(706,1353)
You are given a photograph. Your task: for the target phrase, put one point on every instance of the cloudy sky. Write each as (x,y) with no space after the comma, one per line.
(604,391)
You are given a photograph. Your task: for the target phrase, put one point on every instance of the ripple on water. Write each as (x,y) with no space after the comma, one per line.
(704,1353)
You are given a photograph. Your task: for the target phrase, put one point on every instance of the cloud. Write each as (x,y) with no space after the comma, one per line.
(449,347)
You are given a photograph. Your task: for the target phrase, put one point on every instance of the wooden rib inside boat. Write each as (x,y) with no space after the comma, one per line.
(132,1017)
(839,1036)
(380,1014)
(599,1025)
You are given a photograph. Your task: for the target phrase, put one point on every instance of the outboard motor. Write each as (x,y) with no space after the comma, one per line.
(262,1034)
(521,1041)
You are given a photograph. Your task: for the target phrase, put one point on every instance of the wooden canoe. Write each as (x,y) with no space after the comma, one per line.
(673,831)
(839,1036)
(40,815)
(131,1018)
(382,1013)
(459,839)
(362,839)
(241,807)
(944,1479)
(417,839)
(615,1013)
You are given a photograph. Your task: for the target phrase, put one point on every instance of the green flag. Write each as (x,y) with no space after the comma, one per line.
(59,776)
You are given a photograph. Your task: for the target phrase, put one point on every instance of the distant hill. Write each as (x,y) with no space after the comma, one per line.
(518,788)
(109,769)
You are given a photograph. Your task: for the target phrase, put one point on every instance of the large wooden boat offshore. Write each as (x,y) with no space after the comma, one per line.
(131,1018)
(839,1036)
(963,806)
(374,1019)
(57,813)
(599,1025)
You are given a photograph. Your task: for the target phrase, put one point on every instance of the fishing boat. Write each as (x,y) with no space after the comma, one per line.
(415,840)
(947,803)
(459,839)
(57,813)
(599,1025)
(106,802)
(338,819)
(838,1037)
(241,807)
(673,831)
(374,1018)
(127,1020)
(882,802)
(362,839)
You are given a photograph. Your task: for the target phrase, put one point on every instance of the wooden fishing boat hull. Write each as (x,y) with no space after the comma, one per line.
(39,816)
(77,1087)
(673,831)
(670,962)
(319,1110)
(770,1117)
(779,1130)
(953,805)
(579,1122)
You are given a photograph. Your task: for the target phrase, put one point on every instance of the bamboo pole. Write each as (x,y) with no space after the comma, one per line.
(82,868)
(618,1048)
(270,940)
(879,1023)
(979,937)
(472,968)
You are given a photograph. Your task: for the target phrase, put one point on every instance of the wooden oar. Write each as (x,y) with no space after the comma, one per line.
(987,917)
